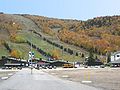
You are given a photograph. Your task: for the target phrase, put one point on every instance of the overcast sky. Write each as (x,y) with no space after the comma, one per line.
(69,9)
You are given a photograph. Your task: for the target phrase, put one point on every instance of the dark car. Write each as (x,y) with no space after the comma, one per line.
(54,67)
(19,68)
(3,67)
(9,67)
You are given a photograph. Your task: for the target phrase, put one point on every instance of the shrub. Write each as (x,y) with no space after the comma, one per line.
(55,54)
(17,38)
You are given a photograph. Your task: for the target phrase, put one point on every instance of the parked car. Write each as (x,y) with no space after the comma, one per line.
(54,67)
(85,66)
(50,67)
(44,67)
(19,68)
(3,67)
(102,66)
(9,67)
(37,68)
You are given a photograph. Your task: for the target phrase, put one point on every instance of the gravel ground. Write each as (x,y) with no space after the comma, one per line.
(105,78)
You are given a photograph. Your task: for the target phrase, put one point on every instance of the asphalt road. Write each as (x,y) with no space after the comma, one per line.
(39,80)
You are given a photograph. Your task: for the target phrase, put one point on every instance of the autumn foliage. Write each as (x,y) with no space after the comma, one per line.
(17,38)
(16,53)
(56,54)
(100,34)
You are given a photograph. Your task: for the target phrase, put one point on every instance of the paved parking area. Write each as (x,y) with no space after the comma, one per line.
(39,80)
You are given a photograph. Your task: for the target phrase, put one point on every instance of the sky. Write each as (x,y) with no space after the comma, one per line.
(64,9)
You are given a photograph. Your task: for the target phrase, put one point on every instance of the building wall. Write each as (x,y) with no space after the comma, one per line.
(115,57)
(112,58)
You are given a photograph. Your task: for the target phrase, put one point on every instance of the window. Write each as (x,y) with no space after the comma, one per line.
(118,55)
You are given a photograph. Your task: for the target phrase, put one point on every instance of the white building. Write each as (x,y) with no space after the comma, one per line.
(115,58)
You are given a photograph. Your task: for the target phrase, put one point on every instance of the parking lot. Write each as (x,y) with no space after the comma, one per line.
(4,74)
(105,78)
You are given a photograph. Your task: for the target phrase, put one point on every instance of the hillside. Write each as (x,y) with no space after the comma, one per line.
(14,41)
(58,38)
(100,34)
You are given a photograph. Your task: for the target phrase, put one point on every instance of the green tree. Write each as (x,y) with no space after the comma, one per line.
(91,60)
(108,57)
(82,55)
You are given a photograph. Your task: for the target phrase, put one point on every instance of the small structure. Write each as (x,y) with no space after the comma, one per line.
(115,58)
(12,62)
(1,12)
(42,63)
(57,63)
(92,62)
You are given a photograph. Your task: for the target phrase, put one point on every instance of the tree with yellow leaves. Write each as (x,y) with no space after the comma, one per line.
(56,54)
(16,53)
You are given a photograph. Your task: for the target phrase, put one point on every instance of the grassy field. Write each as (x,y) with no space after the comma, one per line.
(25,48)
(3,51)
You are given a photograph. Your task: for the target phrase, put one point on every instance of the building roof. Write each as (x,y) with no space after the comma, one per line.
(21,60)
(42,63)
(113,54)
(12,64)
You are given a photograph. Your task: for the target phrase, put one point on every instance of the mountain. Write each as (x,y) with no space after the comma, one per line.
(58,38)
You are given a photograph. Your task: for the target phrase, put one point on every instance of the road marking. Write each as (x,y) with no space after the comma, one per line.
(10,74)
(65,76)
(53,73)
(86,81)
(4,78)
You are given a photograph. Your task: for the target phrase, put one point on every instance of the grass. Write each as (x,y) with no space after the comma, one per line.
(25,48)
(3,51)
(49,48)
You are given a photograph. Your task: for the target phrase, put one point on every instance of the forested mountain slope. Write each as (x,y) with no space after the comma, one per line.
(67,39)
(100,34)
